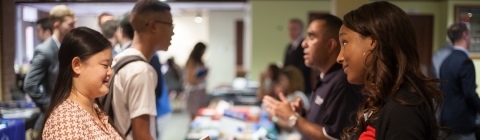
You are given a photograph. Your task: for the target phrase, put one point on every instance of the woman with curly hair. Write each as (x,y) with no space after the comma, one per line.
(379,50)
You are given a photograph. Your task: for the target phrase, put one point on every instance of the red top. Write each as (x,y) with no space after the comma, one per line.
(368,134)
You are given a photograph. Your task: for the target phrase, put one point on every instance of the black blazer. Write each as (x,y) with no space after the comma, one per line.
(460,100)
(296,59)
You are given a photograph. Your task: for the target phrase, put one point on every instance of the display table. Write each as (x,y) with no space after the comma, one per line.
(12,129)
(236,96)
(239,122)
(232,114)
(29,115)
(17,117)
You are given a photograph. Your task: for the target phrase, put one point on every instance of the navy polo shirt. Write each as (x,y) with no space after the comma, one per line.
(334,102)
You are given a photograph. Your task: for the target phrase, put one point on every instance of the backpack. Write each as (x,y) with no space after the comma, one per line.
(105,102)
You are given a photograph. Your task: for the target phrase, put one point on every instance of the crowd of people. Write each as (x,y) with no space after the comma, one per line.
(368,80)
(356,78)
(112,79)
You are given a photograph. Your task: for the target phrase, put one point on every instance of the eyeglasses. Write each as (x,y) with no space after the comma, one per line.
(166,23)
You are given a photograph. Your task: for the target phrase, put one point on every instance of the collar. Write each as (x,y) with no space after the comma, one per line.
(126,45)
(136,52)
(461,49)
(329,75)
(54,37)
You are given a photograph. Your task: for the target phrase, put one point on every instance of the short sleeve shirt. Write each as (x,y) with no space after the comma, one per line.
(134,92)
(69,121)
(333,102)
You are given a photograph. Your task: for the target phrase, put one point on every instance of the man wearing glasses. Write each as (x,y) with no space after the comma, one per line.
(134,104)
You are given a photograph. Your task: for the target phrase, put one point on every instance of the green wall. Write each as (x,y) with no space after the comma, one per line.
(444,14)
(270,28)
(269,24)
(428,8)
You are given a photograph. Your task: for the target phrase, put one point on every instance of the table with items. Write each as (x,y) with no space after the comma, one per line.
(12,129)
(232,114)
(15,118)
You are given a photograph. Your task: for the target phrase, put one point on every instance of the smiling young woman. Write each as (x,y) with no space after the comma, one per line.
(379,50)
(84,73)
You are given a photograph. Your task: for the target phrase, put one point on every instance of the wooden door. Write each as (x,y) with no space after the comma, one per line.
(240,71)
(239,41)
(423,25)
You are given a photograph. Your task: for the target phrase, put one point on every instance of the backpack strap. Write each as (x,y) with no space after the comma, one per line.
(106,101)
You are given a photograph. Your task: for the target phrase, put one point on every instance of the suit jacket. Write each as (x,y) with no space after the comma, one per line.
(460,100)
(42,73)
(296,59)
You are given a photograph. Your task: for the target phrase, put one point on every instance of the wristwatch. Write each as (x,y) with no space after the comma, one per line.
(292,120)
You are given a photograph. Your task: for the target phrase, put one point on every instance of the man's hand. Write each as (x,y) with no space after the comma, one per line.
(297,106)
(281,109)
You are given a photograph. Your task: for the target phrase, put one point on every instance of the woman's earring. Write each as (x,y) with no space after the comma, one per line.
(363,54)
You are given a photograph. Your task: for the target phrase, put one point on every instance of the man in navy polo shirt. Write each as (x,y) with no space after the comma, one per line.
(333,100)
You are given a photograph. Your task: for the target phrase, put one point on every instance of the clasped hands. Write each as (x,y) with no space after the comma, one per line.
(282,109)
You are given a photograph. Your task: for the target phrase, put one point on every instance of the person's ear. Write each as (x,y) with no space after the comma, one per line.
(153,26)
(332,45)
(465,35)
(373,43)
(56,24)
(77,65)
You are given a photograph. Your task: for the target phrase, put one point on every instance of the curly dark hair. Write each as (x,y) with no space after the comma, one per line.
(393,64)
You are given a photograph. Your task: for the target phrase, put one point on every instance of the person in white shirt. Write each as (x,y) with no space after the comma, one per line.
(133,99)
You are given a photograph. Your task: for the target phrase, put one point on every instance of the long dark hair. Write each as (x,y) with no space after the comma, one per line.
(392,64)
(197,53)
(80,42)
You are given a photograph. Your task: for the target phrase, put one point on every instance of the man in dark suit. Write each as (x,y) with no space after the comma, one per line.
(460,100)
(40,79)
(294,53)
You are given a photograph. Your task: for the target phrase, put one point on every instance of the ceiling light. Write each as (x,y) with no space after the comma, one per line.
(198,18)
